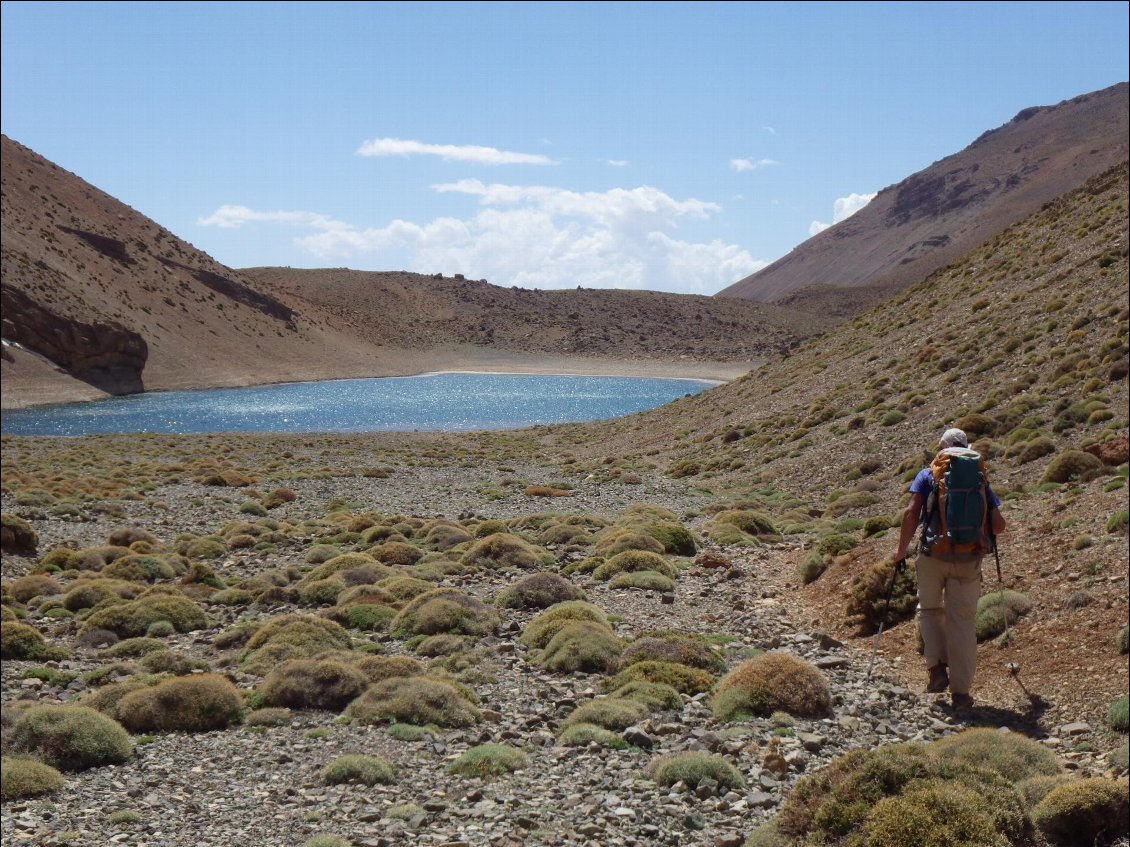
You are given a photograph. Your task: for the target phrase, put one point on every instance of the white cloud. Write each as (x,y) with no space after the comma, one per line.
(234,217)
(741,165)
(617,163)
(770,130)
(842,209)
(450,152)
(540,237)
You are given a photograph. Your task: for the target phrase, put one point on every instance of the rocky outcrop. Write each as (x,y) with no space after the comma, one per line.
(105,355)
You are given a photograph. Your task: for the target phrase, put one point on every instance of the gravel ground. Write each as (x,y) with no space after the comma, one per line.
(262,786)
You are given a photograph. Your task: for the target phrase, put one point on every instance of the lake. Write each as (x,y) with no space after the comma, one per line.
(443,402)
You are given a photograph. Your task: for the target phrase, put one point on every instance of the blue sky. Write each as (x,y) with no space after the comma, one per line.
(665,146)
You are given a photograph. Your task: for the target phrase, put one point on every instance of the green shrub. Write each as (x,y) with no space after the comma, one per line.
(584,734)
(366,617)
(1032,449)
(197,703)
(644,581)
(538,591)
(933,813)
(836,544)
(998,609)
(694,769)
(24,778)
(172,662)
(320,592)
(326,839)
(1092,811)
(676,539)
(17,536)
(634,560)
(1117,523)
(1122,640)
(748,521)
(33,585)
(488,760)
(868,601)
(402,589)
(683,679)
(504,550)
(671,646)
(1119,757)
(540,631)
(773,682)
(21,641)
(134,617)
(415,700)
(292,637)
(811,567)
(582,646)
(1117,717)
(396,553)
(609,713)
(834,805)
(71,738)
(311,684)
(445,610)
(1072,465)
(269,716)
(1008,754)
(892,417)
(655,695)
(380,668)
(133,648)
(618,539)
(139,568)
(106,698)
(359,770)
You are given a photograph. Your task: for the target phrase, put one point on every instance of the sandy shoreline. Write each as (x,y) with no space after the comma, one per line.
(27,393)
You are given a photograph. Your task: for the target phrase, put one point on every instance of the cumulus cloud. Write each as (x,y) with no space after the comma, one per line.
(450,152)
(540,237)
(741,165)
(842,209)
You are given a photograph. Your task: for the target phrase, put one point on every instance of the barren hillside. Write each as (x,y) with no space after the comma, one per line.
(944,211)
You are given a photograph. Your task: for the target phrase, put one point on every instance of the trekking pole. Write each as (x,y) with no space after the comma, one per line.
(886,612)
(1012,667)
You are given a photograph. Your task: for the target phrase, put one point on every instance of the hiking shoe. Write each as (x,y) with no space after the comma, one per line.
(962,702)
(939,679)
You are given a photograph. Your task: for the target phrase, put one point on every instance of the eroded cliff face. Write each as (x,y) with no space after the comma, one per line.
(103,354)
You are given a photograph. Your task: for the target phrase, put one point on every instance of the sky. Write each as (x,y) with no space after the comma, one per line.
(663,146)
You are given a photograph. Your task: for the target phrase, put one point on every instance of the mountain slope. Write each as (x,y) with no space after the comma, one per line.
(1024,343)
(942,212)
(416,311)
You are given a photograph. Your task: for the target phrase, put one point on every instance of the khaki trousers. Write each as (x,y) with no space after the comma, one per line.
(947,611)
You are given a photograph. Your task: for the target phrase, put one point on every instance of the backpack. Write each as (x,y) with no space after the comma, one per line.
(957,511)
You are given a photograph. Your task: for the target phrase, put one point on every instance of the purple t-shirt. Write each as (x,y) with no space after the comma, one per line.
(924,484)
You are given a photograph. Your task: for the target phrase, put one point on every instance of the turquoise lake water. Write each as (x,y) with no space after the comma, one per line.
(443,402)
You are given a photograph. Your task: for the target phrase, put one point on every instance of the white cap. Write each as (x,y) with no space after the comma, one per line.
(953,438)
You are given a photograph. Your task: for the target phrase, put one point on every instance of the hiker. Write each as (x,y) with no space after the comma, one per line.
(949,581)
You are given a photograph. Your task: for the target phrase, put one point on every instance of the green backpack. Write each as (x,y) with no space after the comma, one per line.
(957,511)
